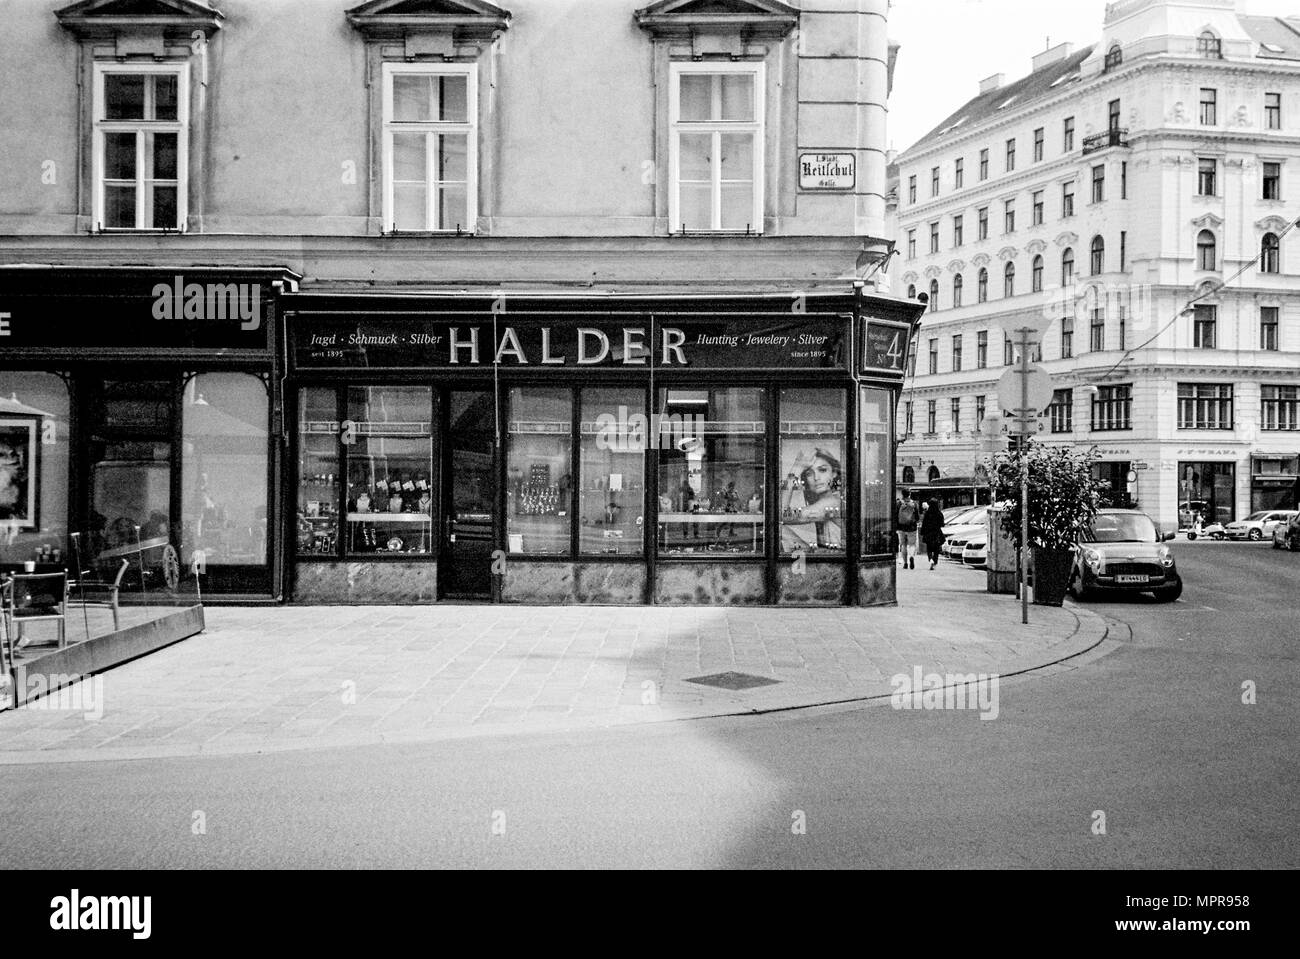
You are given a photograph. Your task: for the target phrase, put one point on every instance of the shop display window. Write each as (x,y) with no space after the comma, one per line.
(539,488)
(33,467)
(611,498)
(812,505)
(130,452)
(711,450)
(388,441)
(224,465)
(318,472)
(875,428)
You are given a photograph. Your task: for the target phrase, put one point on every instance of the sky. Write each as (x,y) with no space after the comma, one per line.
(948,46)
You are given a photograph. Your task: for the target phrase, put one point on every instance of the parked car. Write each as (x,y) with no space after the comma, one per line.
(1257,526)
(962,528)
(1287,535)
(1123,549)
(976,551)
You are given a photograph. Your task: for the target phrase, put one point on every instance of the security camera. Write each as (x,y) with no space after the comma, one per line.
(923,297)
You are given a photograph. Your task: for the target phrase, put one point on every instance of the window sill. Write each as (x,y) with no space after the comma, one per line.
(132,231)
(697,233)
(428,233)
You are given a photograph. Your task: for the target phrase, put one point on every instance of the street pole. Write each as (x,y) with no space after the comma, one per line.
(1024,476)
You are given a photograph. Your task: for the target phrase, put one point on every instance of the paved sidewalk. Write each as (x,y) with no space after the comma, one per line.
(261,679)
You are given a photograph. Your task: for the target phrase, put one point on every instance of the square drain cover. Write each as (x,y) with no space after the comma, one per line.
(733,681)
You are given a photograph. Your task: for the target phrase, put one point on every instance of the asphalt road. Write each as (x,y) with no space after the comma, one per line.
(1149,730)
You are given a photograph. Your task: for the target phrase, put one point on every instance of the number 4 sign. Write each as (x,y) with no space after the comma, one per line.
(884,346)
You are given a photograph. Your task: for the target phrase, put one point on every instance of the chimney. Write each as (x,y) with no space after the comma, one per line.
(992,83)
(1052,55)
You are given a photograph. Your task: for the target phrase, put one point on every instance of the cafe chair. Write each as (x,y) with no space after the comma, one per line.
(100,595)
(33,597)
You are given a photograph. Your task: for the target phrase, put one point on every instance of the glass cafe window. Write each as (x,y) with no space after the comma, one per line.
(611,498)
(130,455)
(388,438)
(34,453)
(539,489)
(812,505)
(318,472)
(711,471)
(224,466)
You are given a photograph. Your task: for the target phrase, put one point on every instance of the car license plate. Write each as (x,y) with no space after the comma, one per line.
(1131,579)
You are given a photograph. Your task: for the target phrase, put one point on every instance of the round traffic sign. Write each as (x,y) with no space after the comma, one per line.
(1010,390)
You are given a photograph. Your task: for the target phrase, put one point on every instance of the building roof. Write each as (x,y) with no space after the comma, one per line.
(1278,37)
(1036,86)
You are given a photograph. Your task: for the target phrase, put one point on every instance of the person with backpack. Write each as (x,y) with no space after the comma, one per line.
(908,514)
(932,531)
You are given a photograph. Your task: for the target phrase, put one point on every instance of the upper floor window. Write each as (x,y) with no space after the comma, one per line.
(1207,257)
(1272,181)
(982,285)
(717,147)
(982,223)
(934,237)
(934,357)
(1279,407)
(911,189)
(911,244)
(1067,337)
(1098,260)
(958,173)
(1011,155)
(1097,331)
(1067,267)
(1038,145)
(1067,199)
(911,291)
(1008,216)
(1009,280)
(1273,111)
(1114,57)
(141,134)
(1268,327)
(1209,106)
(984,164)
(1270,254)
(1061,411)
(982,349)
(1036,275)
(1205,406)
(1112,408)
(957,230)
(1207,176)
(1099,183)
(956,353)
(934,296)
(1067,139)
(1205,326)
(1209,46)
(956,290)
(1112,114)
(1037,209)
(430,148)
(934,182)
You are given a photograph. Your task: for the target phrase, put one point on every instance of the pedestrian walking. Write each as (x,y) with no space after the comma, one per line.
(908,514)
(932,531)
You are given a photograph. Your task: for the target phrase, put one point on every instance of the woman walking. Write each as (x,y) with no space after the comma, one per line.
(932,531)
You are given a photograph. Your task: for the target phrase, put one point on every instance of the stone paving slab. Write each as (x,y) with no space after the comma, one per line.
(272,678)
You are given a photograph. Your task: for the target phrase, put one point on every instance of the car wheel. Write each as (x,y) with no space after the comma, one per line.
(1254,536)
(1294,544)
(1170,593)
(1191,536)
(1077,589)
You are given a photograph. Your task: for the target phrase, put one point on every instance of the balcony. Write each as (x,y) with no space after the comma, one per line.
(1102,141)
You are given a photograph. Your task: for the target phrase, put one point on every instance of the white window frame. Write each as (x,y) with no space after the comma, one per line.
(180,126)
(757,127)
(469,128)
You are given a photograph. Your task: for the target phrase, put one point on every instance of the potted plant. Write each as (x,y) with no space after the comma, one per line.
(1063,499)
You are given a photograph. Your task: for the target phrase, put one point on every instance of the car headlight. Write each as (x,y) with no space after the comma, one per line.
(1093,559)
(1166,557)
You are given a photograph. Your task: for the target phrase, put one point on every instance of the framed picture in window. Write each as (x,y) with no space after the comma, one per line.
(19,475)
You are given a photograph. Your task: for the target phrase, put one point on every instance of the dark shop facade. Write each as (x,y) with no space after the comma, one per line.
(343,448)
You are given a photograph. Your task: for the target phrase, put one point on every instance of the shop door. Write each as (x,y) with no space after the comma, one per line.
(469,496)
(128,465)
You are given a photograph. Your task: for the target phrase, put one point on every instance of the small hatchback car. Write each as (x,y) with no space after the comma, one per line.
(1124,550)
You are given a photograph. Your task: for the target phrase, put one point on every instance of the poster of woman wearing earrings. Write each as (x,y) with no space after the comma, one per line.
(812,496)
(18,473)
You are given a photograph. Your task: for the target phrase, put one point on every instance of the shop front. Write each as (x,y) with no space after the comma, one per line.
(136,423)
(1274,482)
(596,450)
(1207,487)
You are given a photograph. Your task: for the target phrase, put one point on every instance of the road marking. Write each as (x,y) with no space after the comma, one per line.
(1210,608)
